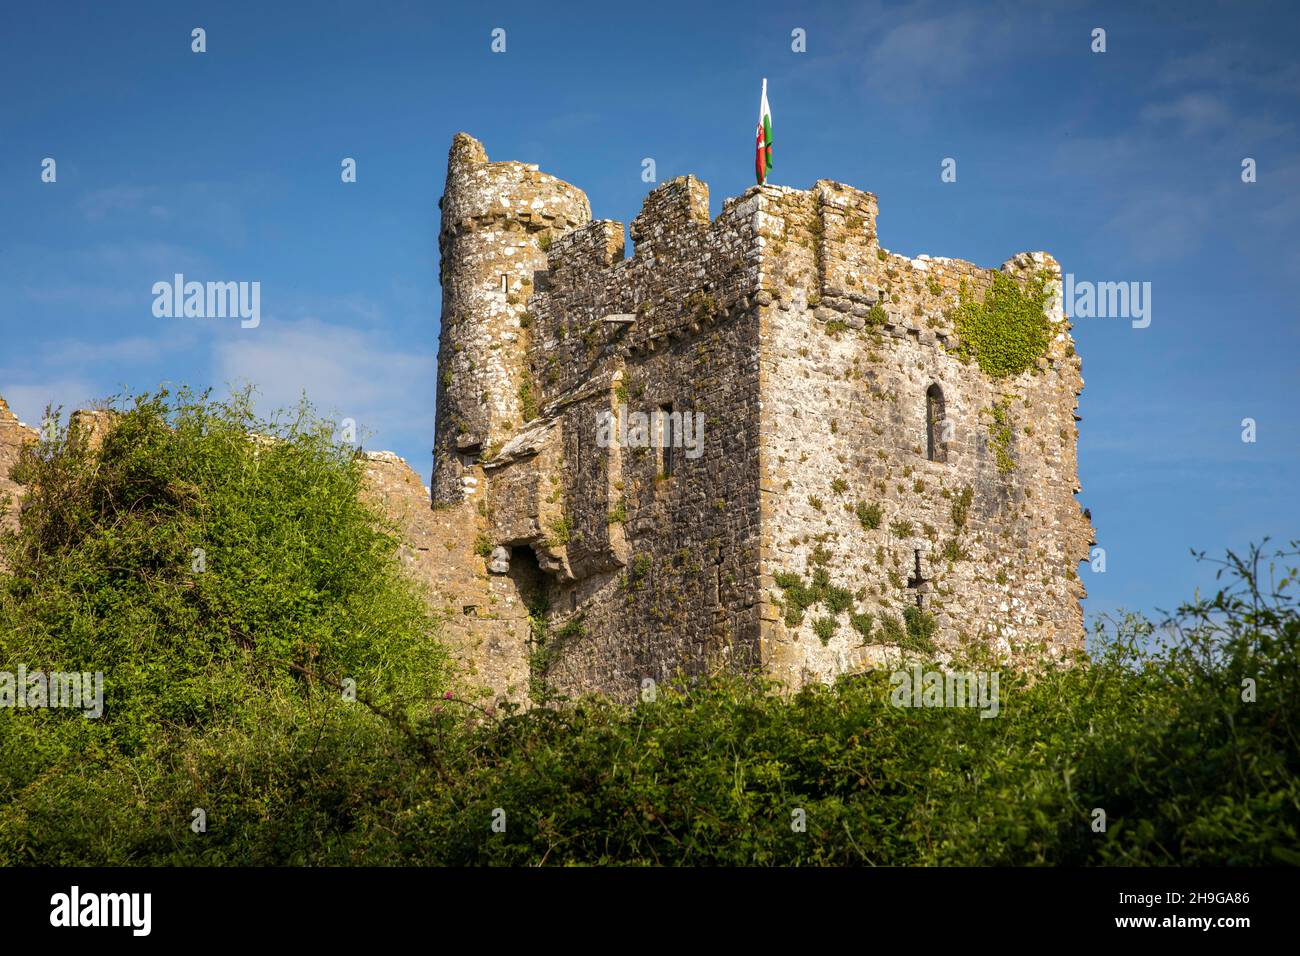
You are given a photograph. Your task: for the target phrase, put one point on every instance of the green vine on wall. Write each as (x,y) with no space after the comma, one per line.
(1000,436)
(1008,332)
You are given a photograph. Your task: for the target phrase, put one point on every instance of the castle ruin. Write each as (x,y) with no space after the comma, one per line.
(758,442)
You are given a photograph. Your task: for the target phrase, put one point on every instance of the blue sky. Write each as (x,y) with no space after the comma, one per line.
(1125,165)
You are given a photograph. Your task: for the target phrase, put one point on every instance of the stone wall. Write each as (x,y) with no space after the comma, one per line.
(482,619)
(13,435)
(646,574)
(844,390)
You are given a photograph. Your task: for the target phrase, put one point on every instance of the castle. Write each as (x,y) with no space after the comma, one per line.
(760,441)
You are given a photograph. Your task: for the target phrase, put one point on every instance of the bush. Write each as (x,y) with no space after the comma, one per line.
(214,579)
(1008,331)
(869,515)
(220,695)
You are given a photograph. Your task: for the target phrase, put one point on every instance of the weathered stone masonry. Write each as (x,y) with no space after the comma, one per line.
(808,350)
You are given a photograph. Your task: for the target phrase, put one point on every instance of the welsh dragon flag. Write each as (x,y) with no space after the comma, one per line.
(763,140)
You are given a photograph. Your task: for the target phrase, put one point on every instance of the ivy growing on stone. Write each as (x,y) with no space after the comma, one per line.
(1000,436)
(1008,332)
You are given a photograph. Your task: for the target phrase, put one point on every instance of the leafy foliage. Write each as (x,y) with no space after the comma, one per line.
(869,515)
(1186,735)
(1000,436)
(1008,331)
(208,575)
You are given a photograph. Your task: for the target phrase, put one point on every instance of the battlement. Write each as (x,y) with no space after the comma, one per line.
(482,194)
(818,245)
(686,271)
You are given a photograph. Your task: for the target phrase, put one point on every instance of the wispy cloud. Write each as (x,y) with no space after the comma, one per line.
(933,49)
(1194,113)
(385,386)
(28,399)
(1231,64)
(200,208)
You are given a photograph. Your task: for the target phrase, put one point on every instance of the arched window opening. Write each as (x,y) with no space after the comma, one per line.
(936,449)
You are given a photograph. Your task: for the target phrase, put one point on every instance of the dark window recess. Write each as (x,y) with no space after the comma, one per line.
(470,454)
(918,581)
(935,447)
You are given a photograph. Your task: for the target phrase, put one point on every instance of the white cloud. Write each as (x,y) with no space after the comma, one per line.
(1194,113)
(930,53)
(28,400)
(386,387)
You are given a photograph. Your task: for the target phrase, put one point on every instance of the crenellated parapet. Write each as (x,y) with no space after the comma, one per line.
(686,272)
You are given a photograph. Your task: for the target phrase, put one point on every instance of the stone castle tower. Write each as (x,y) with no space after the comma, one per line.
(839,486)
(496,221)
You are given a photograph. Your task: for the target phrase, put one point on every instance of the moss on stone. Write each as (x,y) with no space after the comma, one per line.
(961,506)
(527,401)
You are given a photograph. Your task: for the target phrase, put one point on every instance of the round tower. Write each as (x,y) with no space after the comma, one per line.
(498,220)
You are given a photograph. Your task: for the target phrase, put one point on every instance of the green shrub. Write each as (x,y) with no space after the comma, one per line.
(222,692)
(838,599)
(891,630)
(824,628)
(1000,436)
(869,516)
(920,626)
(215,581)
(528,407)
(961,506)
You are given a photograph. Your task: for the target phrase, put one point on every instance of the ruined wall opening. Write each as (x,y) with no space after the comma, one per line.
(527,574)
(936,449)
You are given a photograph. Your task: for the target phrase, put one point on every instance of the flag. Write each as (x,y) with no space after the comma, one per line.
(763,139)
